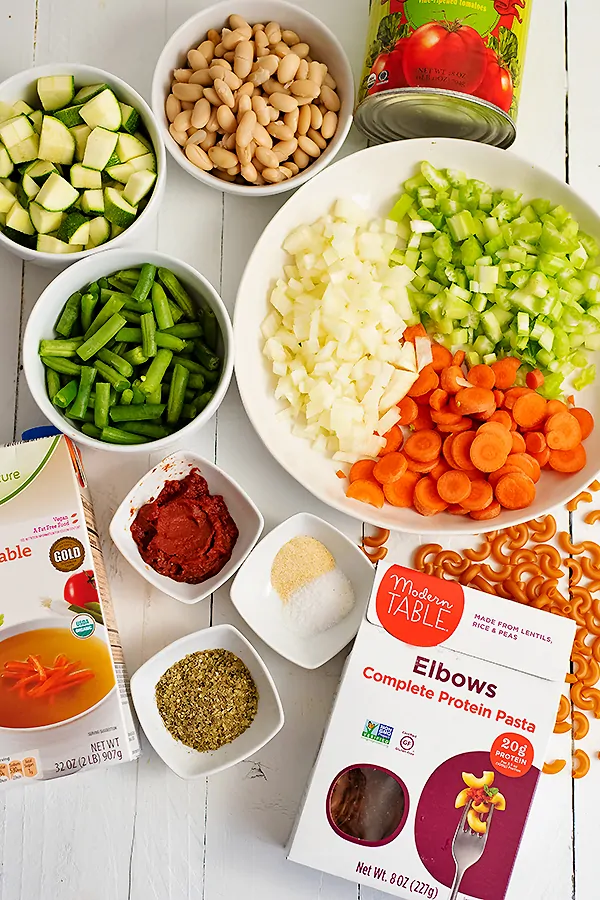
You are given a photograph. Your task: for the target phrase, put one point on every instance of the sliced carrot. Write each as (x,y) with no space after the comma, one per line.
(503,435)
(447,451)
(490,512)
(424,445)
(452,407)
(441,466)
(458,358)
(481,496)
(471,401)
(461,447)
(535,442)
(427,501)
(502,417)
(455,509)
(487,454)
(366,491)
(464,425)
(515,491)
(482,376)
(518,442)
(444,417)
(393,440)
(414,331)
(494,477)
(563,431)
(585,419)
(529,410)
(401,492)
(441,357)
(499,397)
(511,396)
(556,406)
(427,381)
(423,468)
(505,371)
(390,468)
(448,378)
(526,463)
(423,399)
(340,473)
(423,419)
(542,457)
(568,460)
(454,487)
(438,399)
(362,470)
(408,411)
(534,379)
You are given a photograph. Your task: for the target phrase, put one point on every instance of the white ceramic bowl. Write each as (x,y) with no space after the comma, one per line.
(258,603)
(243,512)
(327,49)
(22,87)
(183,760)
(373,179)
(47,309)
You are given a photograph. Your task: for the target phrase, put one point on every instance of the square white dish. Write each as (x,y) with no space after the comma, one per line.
(243,512)
(183,760)
(259,604)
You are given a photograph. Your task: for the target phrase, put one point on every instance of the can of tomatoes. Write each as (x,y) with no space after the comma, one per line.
(443,68)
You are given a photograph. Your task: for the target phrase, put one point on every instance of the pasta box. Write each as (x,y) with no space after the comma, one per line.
(435,744)
(64,706)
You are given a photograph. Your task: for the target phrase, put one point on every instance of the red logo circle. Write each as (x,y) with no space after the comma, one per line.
(418,609)
(512,754)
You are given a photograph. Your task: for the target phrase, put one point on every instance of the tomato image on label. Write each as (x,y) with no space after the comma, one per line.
(444,54)
(418,609)
(385,56)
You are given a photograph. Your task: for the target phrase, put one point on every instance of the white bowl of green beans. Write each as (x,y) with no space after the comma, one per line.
(128,348)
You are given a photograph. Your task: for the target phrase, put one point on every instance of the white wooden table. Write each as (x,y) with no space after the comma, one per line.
(136,832)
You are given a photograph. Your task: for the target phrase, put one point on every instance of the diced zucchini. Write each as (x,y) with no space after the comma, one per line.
(124,171)
(121,172)
(6,111)
(80,134)
(69,116)
(128,147)
(143,139)
(57,194)
(18,219)
(27,190)
(99,232)
(57,144)
(6,163)
(43,221)
(85,178)
(99,148)
(36,118)
(25,150)
(6,199)
(130,118)
(115,230)
(15,130)
(19,237)
(86,93)
(21,107)
(138,186)
(75,229)
(103,110)
(113,161)
(117,210)
(92,201)
(9,185)
(55,91)
(48,244)
(40,170)
(147,161)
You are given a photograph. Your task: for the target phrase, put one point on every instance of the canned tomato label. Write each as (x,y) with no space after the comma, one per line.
(443,68)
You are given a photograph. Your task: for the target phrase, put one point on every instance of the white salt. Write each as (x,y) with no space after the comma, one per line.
(320,604)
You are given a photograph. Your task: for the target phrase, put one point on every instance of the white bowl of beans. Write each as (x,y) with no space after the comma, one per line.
(254,99)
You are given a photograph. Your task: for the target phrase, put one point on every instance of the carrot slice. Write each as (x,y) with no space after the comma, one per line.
(461,447)
(504,437)
(423,468)
(414,331)
(458,358)
(526,463)
(556,406)
(529,410)
(426,500)
(441,357)
(505,371)
(499,397)
(515,491)
(475,400)
(585,419)
(511,396)
(427,381)
(487,454)
(482,376)
(438,399)
(534,379)
(542,457)
(454,487)
(408,411)
(568,460)
(424,445)
(494,477)
(455,509)
(441,466)
(447,451)
(393,440)
(502,417)
(490,512)
(444,417)
(362,470)
(423,399)
(390,468)
(535,442)
(367,492)
(401,492)
(423,420)
(464,425)
(518,442)
(563,431)
(448,378)
(481,496)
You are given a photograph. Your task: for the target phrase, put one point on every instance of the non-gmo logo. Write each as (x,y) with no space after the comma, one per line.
(377,732)
(83,626)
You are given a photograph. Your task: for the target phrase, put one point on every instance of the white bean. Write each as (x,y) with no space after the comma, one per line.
(329,126)
(287,68)
(207,49)
(182,75)
(190,92)
(231,40)
(302,72)
(244,104)
(329,98)
(172,107)
(246,128)
(284,149)
(198,157)
(291,120)
(245,154)
(197,59)
(201,113)
(305,89)
(202,77)
(243,59)
(196,138)
(328,80)
(301,49)
(213,123)
(226,119)
(211,95)
(273,176)
(283,102)
(260,76)
(280,131)
(262,136)
(273,32)
(316,72)
(209,141)
(301,158)
(290,37)
(305,143)
(185,104)
(318,138)
(259,105)
(267,157)
(179,136)
(183,121)
(304,118)
(249,173)
(238,23)
(316,117)
(223,159)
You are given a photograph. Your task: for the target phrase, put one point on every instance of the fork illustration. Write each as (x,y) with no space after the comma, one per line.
(467,848)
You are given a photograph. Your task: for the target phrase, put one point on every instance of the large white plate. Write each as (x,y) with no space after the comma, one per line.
(373,179)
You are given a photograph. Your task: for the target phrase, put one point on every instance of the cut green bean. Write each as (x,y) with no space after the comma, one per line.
(89,302)
(203,400)
(53,385)
(155,396)
(196,382)
(148,335)
(108,310)
(103,283)
(129,276)
(102,404)
(138,397)
(175,311)
(119,285)
(91,430)
(117,436)
(166,390)
(211,328)
(133,318)
(128,301)
(162,310)
(129,335)
(118,381)
(126,397)
(59,364)
(66,395)
(118,348)
(149,429)
(101,337)
(69,315)
(181,297)
(93,288)
(186,330)
(135,356)
(136,413)
(78,408)
(156,371)
(177,394)
(145,282)
(88,415)
(206,357)
(170,342)
(116,361)
(190,364)
(60,348)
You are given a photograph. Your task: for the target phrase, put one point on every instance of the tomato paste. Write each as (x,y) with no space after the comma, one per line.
(186,534)
(443,68)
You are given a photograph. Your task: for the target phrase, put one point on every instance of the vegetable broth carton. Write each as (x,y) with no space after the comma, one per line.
(433,751)
(64,706)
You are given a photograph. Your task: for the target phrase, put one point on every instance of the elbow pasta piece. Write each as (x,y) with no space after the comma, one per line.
(495,574)
(594,486)
(519,535)
(564,708)
(490,535)
(586,698)
(593,548)
(562,727)
(564,539)
(377,556)
(591,624)
(481,584)
(575,568)
(534,586)
(582,667)
(497,546)
(593,672)
(583,599)
(589,569)
(592,517)
(570,678)
(553,768)
(582,497)
(543,531)
(517,590)
(521,556)
(596,649)
(376,540)
(479,555)
(423,552)
(581,725)
(523,568)
(581,764)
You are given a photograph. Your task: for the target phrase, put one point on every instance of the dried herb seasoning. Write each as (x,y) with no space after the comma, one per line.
(207,699)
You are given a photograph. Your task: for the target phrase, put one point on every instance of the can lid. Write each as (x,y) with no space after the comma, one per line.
(430,112)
